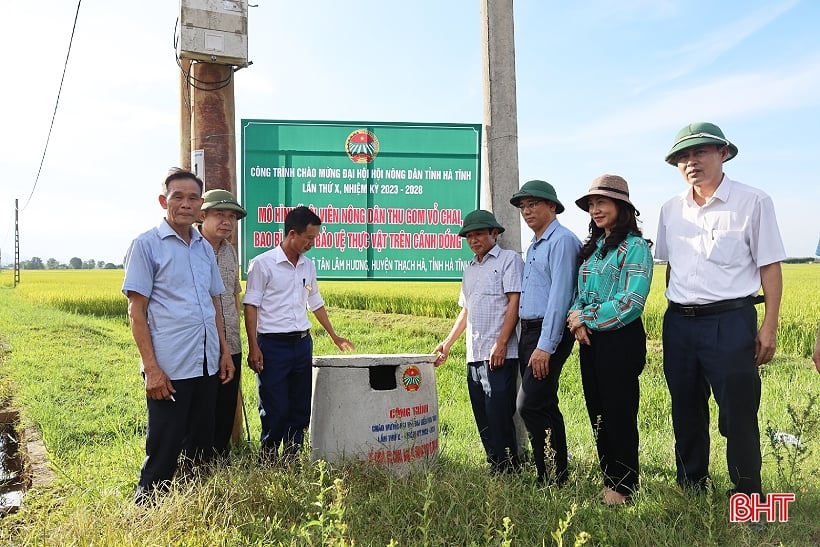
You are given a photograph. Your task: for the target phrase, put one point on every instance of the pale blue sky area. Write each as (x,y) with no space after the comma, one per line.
(602,87)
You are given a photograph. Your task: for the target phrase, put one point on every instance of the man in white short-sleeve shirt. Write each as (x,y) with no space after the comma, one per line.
(281,288)
(722,243)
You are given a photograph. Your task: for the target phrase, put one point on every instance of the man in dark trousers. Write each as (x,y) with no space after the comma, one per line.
(489,298)
(550,274)
(173,284)
(721,241)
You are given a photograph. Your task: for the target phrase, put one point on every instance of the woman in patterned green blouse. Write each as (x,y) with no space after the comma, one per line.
(605,317)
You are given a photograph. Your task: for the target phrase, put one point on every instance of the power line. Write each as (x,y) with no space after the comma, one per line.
(54,115)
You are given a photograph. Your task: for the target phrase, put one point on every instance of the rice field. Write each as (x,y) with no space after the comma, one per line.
(97,293)
(83,391)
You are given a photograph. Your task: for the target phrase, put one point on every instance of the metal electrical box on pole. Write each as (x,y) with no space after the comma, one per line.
(214,31)
(212,44)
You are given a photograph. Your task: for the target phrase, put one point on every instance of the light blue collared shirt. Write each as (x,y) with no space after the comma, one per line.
(550,274)
(180,282)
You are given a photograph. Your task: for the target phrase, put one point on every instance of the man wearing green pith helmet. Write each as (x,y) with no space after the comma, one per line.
(219,214)
(722,243)
(547,288)
(489,313)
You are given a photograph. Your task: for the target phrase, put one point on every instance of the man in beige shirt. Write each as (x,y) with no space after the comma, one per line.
(220,213)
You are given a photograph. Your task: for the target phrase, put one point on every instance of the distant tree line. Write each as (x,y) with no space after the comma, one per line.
(76,263)
(800,260)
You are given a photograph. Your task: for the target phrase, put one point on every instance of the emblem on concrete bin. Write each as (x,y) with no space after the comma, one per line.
(411,378)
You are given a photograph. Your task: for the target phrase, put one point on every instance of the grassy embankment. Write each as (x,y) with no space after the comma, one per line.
(68,361)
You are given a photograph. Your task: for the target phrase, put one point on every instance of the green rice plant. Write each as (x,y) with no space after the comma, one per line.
(76,377)
(434,299)
(87,292)
(97,293)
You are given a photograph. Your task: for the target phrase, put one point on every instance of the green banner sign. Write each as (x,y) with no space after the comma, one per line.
(391,196)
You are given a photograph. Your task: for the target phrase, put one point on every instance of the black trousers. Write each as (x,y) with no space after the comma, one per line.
(184,426)
(492,396)
(226,397)
(610,367)
(538,404)
(714,352)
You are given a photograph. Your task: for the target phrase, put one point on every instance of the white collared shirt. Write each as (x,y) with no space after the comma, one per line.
(282,292)
(716,251)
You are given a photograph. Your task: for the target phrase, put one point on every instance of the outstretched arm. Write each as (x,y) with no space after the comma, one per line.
(342,343)
(443,349)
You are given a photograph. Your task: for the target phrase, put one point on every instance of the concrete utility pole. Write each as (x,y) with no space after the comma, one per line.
(500,164)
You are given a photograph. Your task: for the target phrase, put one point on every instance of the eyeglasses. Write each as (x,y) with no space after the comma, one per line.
(530,204)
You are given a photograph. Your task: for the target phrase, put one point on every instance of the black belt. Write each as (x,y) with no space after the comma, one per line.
(288,336)
(715,307)
(532,323)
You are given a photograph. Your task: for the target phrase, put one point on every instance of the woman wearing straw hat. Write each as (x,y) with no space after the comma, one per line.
(613,283)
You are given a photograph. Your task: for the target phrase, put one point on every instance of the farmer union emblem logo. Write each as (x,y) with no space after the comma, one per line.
(411,378)
(362,146)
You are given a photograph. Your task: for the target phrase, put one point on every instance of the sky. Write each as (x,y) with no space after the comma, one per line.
(602,87)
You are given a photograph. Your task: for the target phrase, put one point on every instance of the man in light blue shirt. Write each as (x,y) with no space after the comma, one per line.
(172,283)
(550,273)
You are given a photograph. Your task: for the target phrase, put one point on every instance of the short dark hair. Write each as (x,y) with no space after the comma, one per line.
(299,218)
(175,173)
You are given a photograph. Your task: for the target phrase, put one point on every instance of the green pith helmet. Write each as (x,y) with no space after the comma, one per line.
(478,220)
(538,189)
(222,199)
(696,134)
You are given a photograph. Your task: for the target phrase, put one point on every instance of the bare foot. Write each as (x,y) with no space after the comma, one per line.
(612,497)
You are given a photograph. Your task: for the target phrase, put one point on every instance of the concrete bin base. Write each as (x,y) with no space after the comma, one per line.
(377,408)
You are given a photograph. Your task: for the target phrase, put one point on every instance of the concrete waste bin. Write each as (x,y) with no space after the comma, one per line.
(378,408)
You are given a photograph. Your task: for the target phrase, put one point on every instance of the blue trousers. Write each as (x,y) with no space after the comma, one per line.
(714,352)
(492,395)
(285,389)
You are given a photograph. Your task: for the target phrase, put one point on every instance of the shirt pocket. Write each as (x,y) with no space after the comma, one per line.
(493,284)
(727,247)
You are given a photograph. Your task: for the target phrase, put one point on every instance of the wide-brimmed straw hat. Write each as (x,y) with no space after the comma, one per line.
(478,220)
(611,186)
(538,189)
(222,199)
(696,134)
